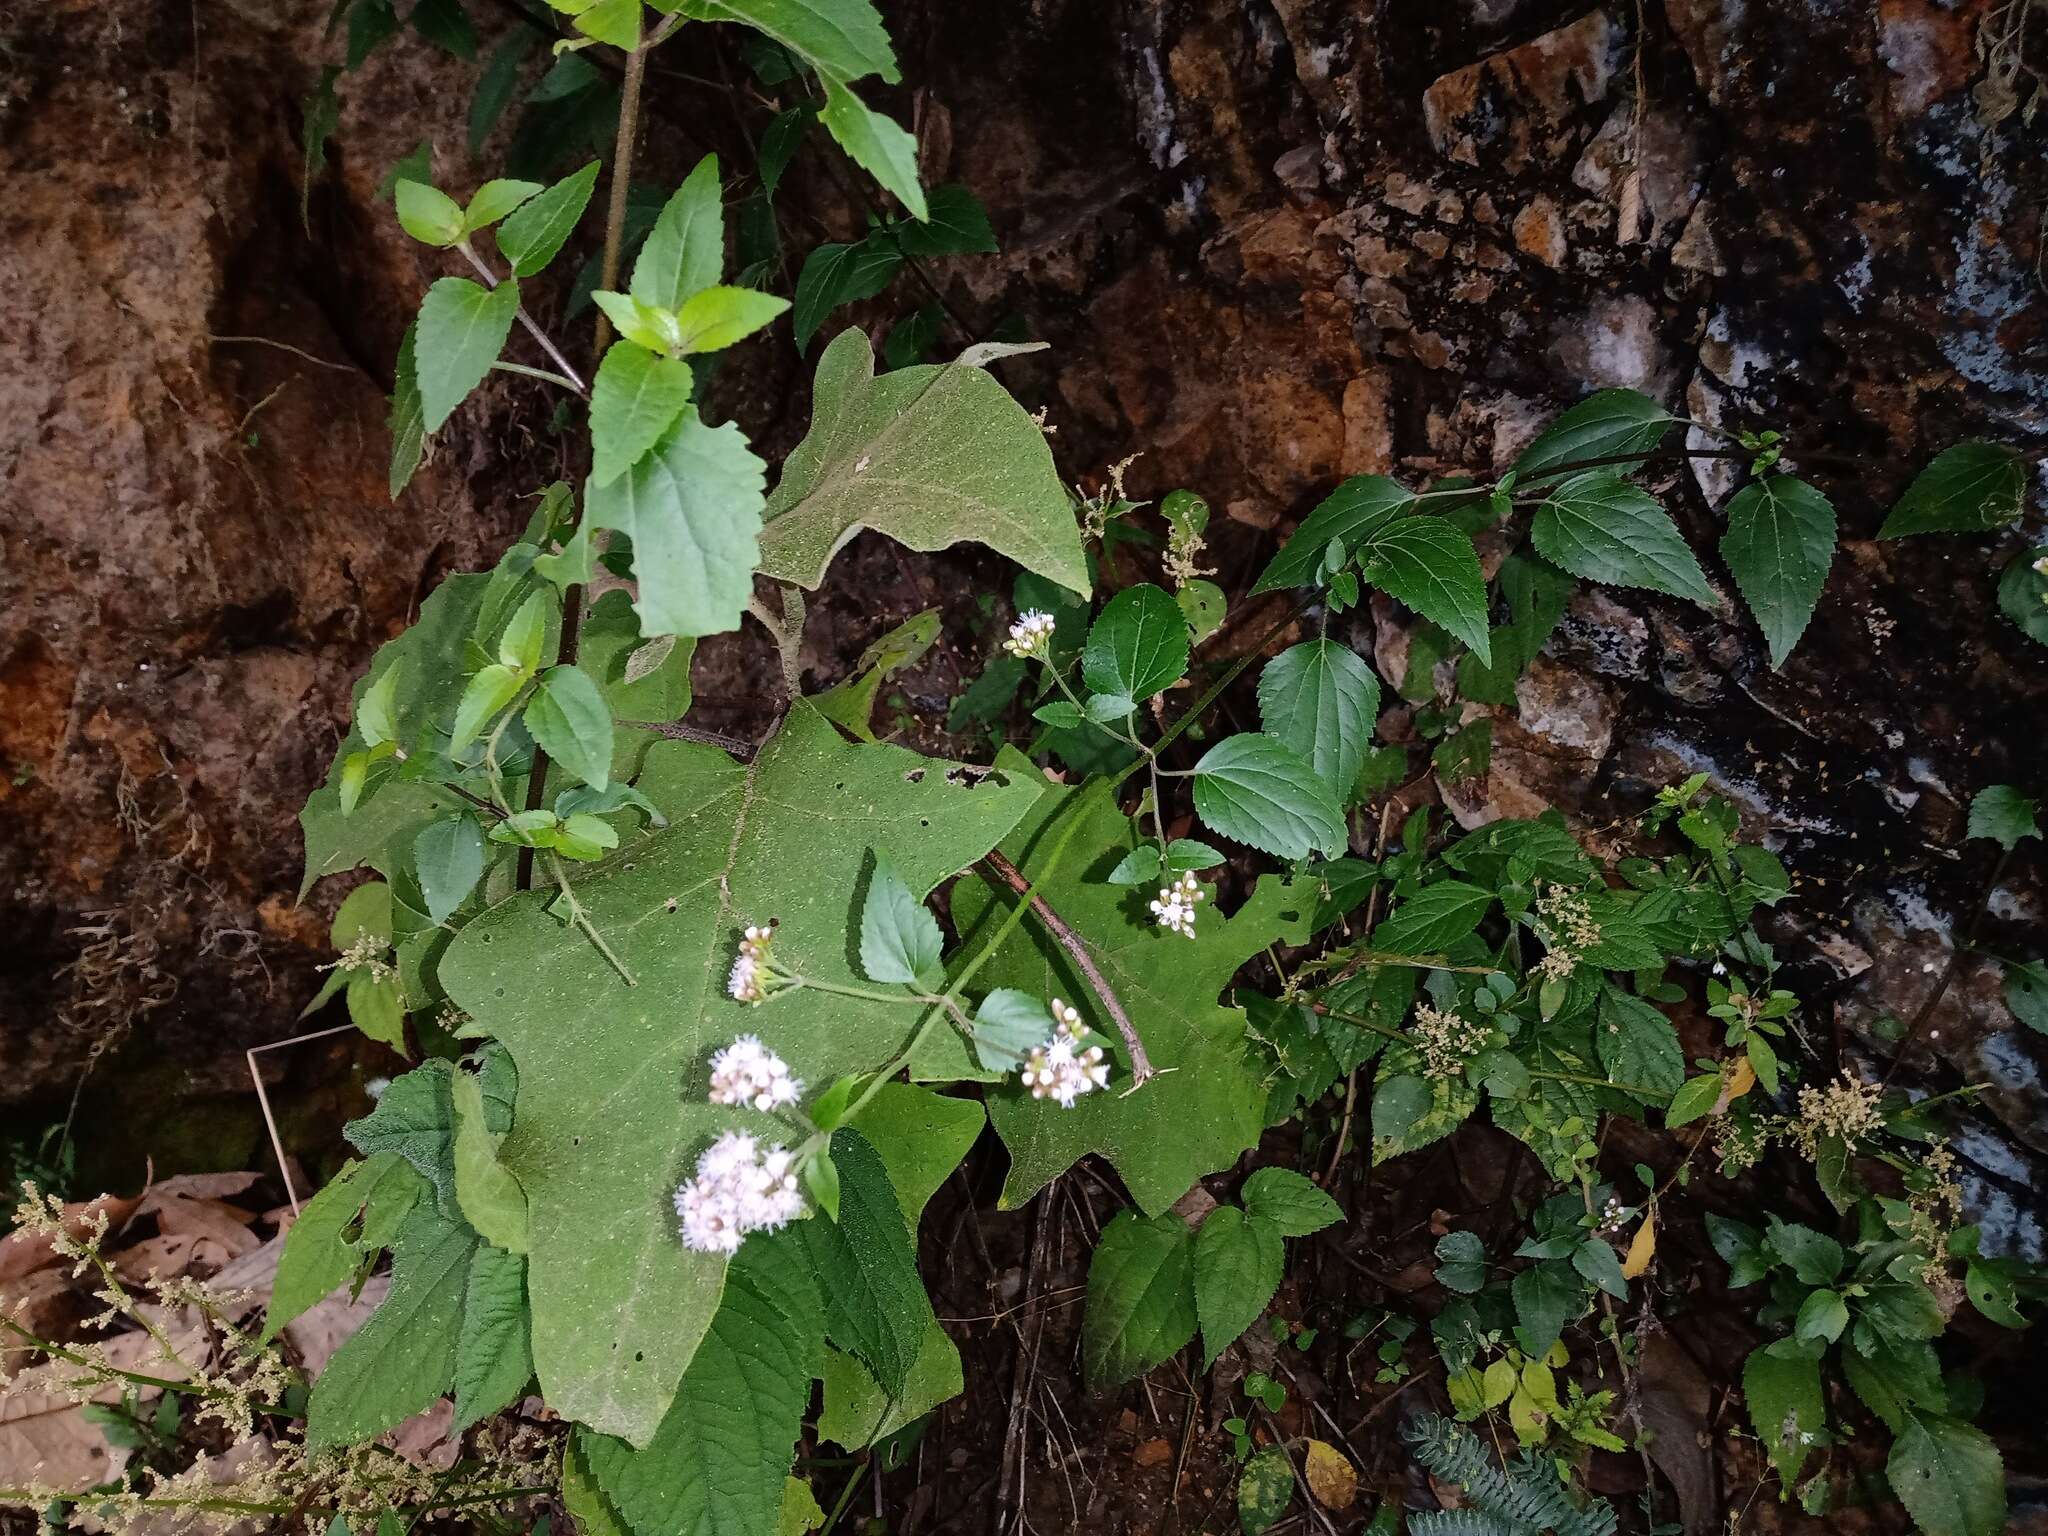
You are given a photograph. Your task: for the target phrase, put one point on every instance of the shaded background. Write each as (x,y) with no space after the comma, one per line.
(1270,245)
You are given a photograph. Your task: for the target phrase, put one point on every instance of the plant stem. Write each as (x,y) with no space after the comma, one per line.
(582,919)
(787,631)
(573,379)
(1142,1070)
(622,176)
(525,372)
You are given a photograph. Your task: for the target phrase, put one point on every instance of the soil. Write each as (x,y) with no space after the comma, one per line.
(1270,244)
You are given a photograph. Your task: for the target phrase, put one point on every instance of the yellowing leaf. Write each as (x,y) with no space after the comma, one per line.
(1642,1248)
(1331,1478)
(1739,1082)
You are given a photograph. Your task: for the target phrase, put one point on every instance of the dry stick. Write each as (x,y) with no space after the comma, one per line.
(263,1101)
(1142,1070)
(1948,972)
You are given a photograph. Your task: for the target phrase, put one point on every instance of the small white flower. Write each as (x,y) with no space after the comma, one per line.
(1064,1068)
(1030,635)
(747,1072)
(753,976)
(375,1087)
(2041,566)
(739,1188)
(1176,905)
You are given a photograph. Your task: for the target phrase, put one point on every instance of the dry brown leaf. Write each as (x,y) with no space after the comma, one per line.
(1331,1477)
(1738,1082)
(1152,1453)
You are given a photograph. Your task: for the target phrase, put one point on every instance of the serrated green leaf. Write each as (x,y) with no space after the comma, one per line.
(488,692)
(1949,1476)
(780,141)
(645,325)
(2026,993)
(1694,1098)
(717,1462)
(460,332)
(1599,526)
(415,1118)
(857,1412)
(495,200)
(692,508)
(1290,1204)
(866,1262)
(1813,1257)
(493,1354)
(899,938)
(841,39)
(446,25)
(485,1189)
(1779,544)
(878,144)
(634,400)
(931,456)
(616,22)
(1461,1264)
(1141,1298)
(1322,701)
(495,88)
(1785,1407)
(784,836)
(571,722)
(1431,567)
(1348,515)
(376,1006)
(835,274)
(448,858)
(407,419)
(685,251)
(1433,919)
(955,223)
(2023,592)
(428,214)
(1637,1044)
(717,317)
(1237,1268)
(531,237)
(1597,1265)
(1255,789)
(921,1136)
(1969,488)
(1137,646)
(2005,816)
(1610,422)
(1547,1296)
(401,1360)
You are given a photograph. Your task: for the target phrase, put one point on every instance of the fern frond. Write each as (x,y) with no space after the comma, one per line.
(1525,1499)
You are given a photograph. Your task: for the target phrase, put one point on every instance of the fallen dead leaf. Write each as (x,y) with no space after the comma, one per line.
(1155,1452)
(1642,1248)
(1331,1477)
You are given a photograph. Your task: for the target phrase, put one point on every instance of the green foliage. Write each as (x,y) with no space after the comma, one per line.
(1599,526)
(1138,646)
(1969,488)
(930,456)
(1255,789)
(1614,421)
(1780,541)
(461,330)
(1141,1297)
(1321,700)
(2005,816)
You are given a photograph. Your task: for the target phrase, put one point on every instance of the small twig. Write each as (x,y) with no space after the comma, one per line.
(1142,1070)
(675,730)
(263,1101)
(284,346)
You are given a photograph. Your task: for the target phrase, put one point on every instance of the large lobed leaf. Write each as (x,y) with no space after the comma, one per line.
(931,456)
(1181,1125)
(612,1111)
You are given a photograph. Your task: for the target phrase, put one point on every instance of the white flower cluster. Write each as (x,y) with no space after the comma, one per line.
(2041,566)
(747,1072)
(740,1187)
(752,977)
(1030,635)
(1176,905)
(1064,1068)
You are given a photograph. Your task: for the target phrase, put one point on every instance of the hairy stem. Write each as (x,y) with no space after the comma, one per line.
(1142,1070)
(569,375)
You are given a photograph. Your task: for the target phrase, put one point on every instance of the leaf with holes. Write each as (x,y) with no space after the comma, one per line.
(612,1108)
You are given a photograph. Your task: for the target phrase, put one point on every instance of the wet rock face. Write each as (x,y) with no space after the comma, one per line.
(1271,245)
